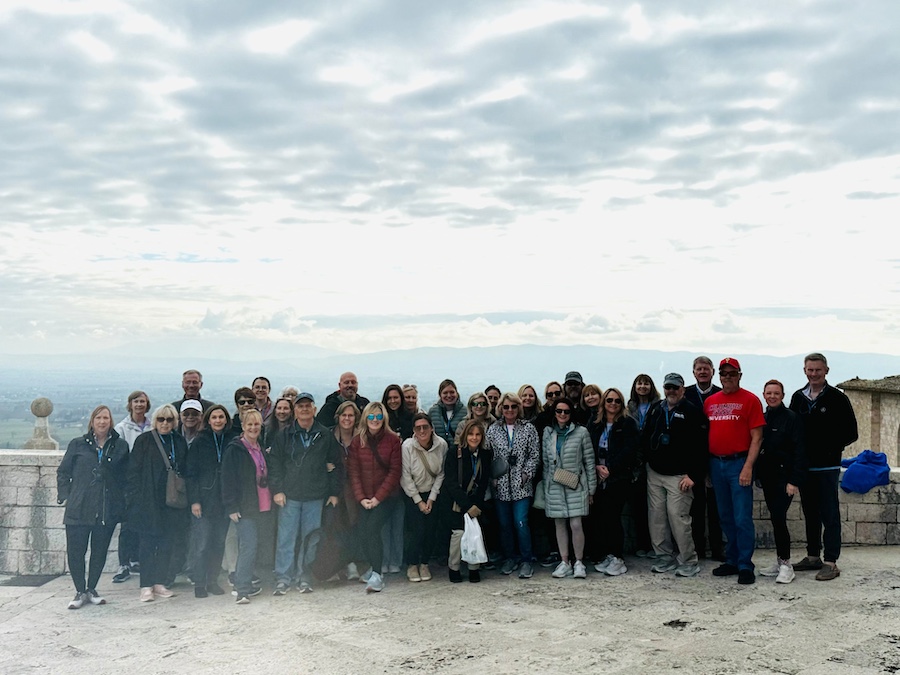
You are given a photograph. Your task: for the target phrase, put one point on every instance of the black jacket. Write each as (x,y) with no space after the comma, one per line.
(145,494)
(829,425)
(458,472)
(239,494)
(783,456)
(203,469)
(694,396)
(621,455)
(93,486)
(676,442)
(332,401)
(302,473)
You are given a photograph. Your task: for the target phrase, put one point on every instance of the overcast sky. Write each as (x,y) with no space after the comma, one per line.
(708,176)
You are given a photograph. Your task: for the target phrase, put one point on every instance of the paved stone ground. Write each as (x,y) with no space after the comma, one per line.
(637,623)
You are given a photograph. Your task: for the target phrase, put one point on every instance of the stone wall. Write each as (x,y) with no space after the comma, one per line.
(878,418)
(33,541)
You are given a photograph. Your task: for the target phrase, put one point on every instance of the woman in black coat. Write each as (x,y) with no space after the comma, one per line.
(146,498)
(780,469)
(91,481)
(615,439)
(467,473)
(209,522)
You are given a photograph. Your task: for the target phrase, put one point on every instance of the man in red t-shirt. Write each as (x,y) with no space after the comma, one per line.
(736,424)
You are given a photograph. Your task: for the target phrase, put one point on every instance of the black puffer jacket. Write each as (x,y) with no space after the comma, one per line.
(203,471)
(621,455)
(91,480)
(783,456)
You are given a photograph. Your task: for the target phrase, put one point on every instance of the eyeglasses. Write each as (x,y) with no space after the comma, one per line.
(190,413)
(729,373)
(160,420)
(480,404)
(553,394)
(421,427)
(378,417)
(617,401)
(246,401)
(510,406)
(563,411)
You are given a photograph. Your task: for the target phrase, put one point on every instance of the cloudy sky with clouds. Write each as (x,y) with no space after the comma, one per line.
(371,175)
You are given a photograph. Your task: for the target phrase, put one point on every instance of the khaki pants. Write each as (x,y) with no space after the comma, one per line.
(455,557)
(670,517)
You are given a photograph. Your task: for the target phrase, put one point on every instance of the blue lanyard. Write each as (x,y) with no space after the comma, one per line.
(666,413)
(511,437)
(171,453)
(218,446)
(474,459)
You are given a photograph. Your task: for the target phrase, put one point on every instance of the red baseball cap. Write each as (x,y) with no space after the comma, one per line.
(729,361)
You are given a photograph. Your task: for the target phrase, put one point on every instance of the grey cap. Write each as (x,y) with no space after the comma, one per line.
(304,396)
(674,378)
(573,376)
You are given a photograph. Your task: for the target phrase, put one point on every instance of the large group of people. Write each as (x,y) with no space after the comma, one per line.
(358,489)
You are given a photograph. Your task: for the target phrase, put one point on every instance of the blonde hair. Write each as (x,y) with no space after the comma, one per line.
(374,408)
(167,410)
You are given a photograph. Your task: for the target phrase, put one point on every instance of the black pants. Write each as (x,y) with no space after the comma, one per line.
(207,547)
(129,545)
(77,538)
(179,539)
(705,511)
(821,508)
(637,499)
(610,534)
(778,501)
(155,552)
(369,526)
(421,531)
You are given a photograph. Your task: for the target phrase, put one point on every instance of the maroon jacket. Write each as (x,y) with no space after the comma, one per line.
(375,477)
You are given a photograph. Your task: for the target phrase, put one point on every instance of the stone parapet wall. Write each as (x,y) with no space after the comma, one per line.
(33,540)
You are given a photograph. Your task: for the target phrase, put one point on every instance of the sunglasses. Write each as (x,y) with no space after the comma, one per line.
(671,387)
(170,420)
(246,401)
(554,394)
(510,406)
(729,373)
(190,413)
(563,411)
(479,404)
(617,401)
(421,427)
(378,417)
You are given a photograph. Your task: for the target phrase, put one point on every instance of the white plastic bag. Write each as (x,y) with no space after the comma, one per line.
(472,544)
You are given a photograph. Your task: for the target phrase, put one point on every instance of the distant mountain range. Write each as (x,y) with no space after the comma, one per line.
(472,368)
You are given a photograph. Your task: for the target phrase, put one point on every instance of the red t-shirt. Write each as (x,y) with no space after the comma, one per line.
(731,417)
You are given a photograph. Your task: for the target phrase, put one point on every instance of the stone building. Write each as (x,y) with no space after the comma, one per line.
(877,407)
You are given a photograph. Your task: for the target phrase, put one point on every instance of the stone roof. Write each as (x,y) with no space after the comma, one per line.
(890,385)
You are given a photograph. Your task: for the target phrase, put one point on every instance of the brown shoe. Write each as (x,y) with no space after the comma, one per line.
(808,564)
(412,573)
(828,572)
(424,572)
(161,591)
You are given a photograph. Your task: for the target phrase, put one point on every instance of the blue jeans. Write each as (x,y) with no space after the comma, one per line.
(392,534)
(307,518)
(247,530)
(513,516)
(735,504)
(207,548)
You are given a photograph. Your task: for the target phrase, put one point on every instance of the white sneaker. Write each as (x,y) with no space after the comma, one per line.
(688,570)
(772,570)
(615,568)
(352,572)
(664,565)
(364,578)
(564,569)
(375,583)
(601,566)
(580,571)
(785,574)
(77,602)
